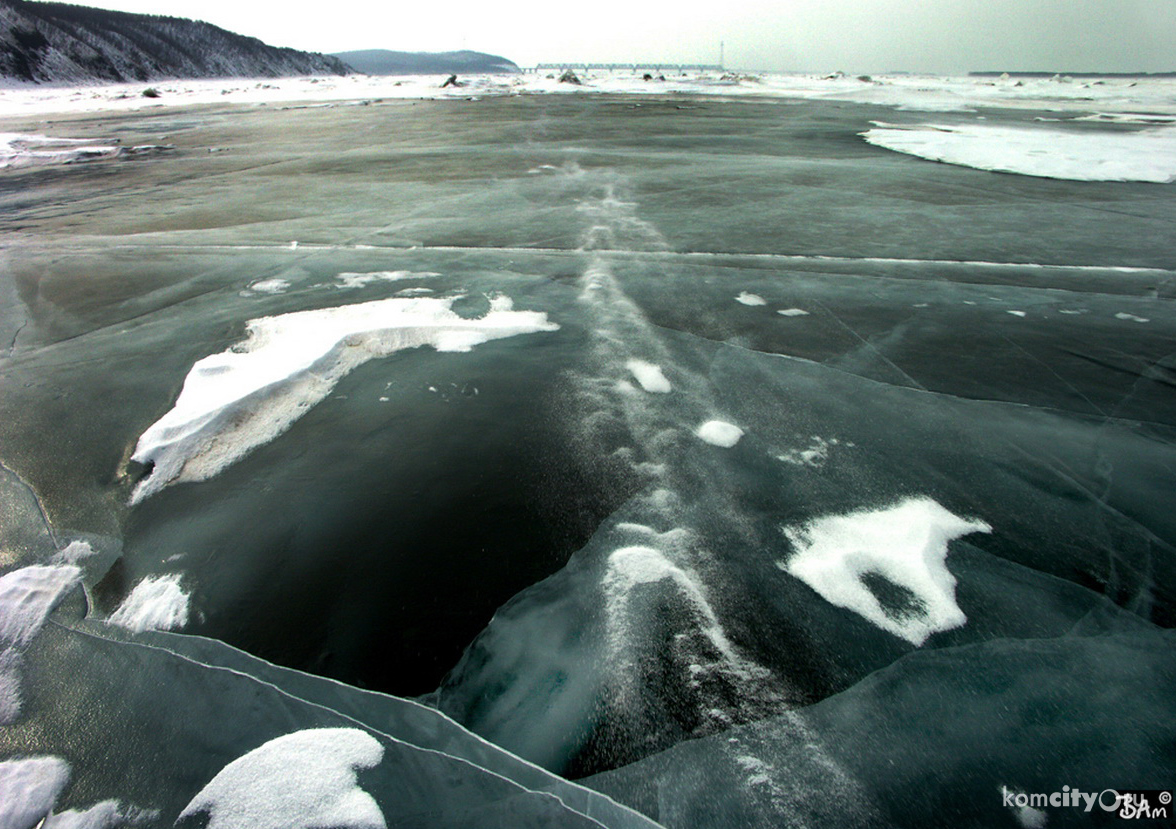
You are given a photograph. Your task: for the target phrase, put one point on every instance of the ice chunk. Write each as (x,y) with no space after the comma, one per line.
(649,376)
(1016,313)
(26,598)
(793,312)
(28,789)
(1086,155)
(307,778)
(1131,317)
(751,299)
(238,399)
(156,603)
(905,545)
(719,433)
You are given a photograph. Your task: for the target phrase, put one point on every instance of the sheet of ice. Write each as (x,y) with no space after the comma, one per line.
(236,400)
(358,280)
(306,778)
(905,544)
(1086,155)
(719,433)
(793,312)
(1016,313)
(650,376)
(155,603)
(1123,315)
(29,788)
(26,598)
(751,299)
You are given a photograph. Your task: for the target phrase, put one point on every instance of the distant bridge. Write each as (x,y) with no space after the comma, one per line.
(628,67)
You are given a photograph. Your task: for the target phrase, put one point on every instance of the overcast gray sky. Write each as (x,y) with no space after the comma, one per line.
(803,35)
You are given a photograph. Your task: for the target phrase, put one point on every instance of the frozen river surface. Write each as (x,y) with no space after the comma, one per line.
(721,453)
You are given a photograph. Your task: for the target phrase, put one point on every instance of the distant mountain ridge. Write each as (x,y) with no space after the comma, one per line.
(388,62)
(60,43)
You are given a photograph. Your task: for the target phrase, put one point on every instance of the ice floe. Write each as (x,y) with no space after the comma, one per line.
(236,400)
(1123,315)
(751,299)
(719,433)
(155,603)
(307,778)
(1079,155)
(650,376)
(793,312)
(905,545)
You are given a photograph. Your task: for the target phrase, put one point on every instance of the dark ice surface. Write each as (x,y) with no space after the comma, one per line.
(443,526)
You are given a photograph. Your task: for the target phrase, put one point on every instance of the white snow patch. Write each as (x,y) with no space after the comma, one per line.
(155,603)
(793,312)
(906,544)
(631,567)
(26,598)
(238,399)
(814,455)
(307,778)
(1087,155)
(751,299)
(270,286)
(73,552)
(719,433)
(29,787)
(1026,815)
(1125,316)
(358,280)
(108,814)
(650,376)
